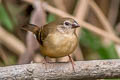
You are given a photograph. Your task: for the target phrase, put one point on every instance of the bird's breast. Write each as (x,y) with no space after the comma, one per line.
(59,45)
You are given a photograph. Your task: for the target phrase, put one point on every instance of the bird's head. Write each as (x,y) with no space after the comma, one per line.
(67,25)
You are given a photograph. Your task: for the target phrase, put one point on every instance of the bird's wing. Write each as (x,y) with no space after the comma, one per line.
(42,34)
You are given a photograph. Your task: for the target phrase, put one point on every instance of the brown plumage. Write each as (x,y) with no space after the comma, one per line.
(57,39)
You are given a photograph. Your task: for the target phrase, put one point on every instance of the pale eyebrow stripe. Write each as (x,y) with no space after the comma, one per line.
(68,21)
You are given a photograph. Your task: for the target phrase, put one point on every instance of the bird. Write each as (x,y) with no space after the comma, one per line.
(57,38)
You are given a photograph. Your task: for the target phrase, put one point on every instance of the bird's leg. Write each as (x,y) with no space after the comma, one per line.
(45,58)
(72,62)
(45,61)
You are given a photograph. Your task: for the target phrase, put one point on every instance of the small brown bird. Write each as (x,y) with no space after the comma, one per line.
(57,39)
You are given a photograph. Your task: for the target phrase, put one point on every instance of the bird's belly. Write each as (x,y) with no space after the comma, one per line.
(59,46)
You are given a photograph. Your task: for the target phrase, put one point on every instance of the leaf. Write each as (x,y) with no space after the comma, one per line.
(4,19)
(111,49)
(12,60)
(92,41)
(50,18)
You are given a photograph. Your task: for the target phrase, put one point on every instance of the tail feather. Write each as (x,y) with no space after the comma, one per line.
(31,27)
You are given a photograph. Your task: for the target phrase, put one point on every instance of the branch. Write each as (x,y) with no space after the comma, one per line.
(83,70)
(81,9)
(80,12)
(103,19)
(11,42)
(113,11)
(60,4)
(38,17)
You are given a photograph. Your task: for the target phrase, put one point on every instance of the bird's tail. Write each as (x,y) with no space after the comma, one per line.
(31,27)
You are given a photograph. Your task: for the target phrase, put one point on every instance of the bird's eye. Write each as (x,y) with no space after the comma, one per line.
(67,23)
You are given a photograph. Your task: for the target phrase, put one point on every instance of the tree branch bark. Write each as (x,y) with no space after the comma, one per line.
(96,69)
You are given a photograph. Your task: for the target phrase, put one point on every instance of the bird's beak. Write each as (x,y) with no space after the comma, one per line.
(75,25)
